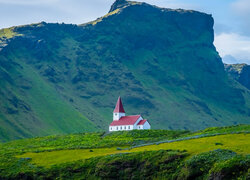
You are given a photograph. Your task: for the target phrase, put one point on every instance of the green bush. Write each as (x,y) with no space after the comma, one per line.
(199,165)
(237,166)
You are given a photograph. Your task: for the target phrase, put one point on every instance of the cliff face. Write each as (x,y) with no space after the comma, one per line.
(240,72)
(58,78)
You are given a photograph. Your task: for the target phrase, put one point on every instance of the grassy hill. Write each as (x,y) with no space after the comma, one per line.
(62,78)
(221,153)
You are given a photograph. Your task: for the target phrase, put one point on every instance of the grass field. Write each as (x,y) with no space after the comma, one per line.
(239,143)
(156,154)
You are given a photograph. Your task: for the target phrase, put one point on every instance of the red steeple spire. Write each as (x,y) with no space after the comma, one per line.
(119,106)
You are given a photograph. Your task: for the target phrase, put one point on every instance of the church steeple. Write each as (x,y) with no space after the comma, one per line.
(119,110)
(119,107)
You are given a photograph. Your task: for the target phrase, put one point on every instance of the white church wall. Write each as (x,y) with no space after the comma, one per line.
(146,125)
(140,127)
(121,128)
(117,116)
(138,120)
(111,128)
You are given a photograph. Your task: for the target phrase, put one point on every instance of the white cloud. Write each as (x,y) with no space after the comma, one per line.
(28,2)
(241,10)
(233,44)
(241,6)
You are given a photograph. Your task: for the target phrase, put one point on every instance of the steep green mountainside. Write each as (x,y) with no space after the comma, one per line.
(240,72)
(30,102)
(59,78)
(213,153)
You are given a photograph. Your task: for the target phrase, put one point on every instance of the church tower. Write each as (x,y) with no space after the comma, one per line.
(119,110)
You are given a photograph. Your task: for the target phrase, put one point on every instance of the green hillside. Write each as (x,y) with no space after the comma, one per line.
(214,153)
(62,78)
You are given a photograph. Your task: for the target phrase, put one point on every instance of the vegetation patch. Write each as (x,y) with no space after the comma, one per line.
(239,143)
(111,156)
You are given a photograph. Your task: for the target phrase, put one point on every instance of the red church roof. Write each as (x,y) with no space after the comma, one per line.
(119,107)
(142,122)
(126,120)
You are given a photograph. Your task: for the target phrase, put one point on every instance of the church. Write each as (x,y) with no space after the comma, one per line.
(126,123)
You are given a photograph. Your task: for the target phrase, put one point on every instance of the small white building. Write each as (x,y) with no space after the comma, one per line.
(126,123)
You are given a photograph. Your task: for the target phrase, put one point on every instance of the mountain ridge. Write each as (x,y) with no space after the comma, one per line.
(162,62)
(119,4)
(239,72)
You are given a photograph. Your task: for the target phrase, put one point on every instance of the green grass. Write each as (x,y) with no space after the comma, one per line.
(57,113)
(239,143)
(89,140)
(101,140)
(236,142)
(227,129)
(100,155)
(107,15)
(8,33)
(48,159)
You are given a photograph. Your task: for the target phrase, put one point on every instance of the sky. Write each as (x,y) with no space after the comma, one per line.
(232,18)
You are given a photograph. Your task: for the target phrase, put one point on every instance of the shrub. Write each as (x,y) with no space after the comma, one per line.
(230,169)
(199,165)
(217,144)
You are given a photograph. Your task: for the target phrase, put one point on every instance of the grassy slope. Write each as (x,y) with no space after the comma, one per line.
(78,155)
(236,142)
(30,97)
(59,115)
(7,33)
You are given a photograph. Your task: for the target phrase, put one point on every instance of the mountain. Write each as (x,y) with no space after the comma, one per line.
(61,78)
(240,72)
(228,59)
